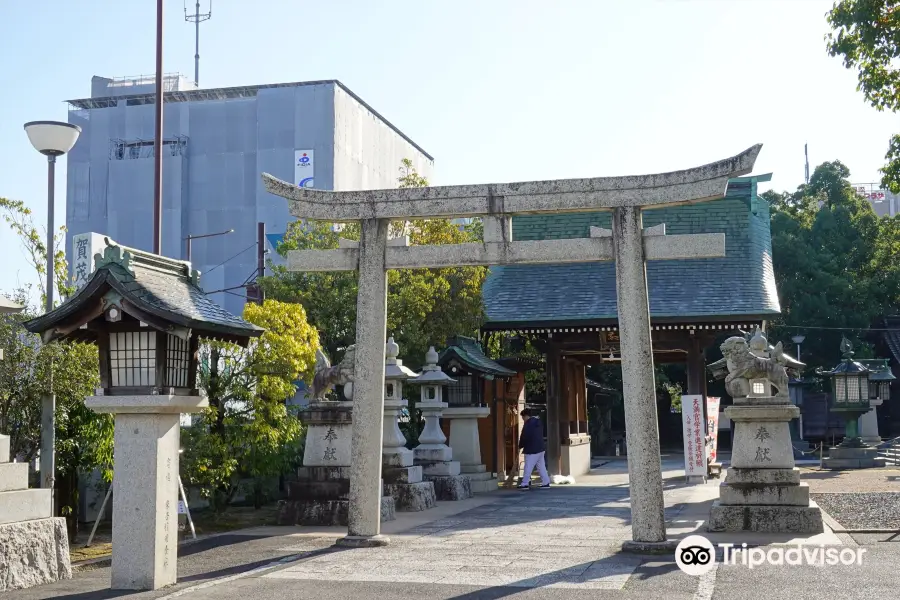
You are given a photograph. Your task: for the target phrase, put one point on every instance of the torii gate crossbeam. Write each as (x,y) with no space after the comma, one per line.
(628,244)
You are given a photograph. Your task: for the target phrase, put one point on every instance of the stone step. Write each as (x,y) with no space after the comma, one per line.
(483,486)
(4,448)
(480,476)
(402,475)
(13,476)
(24,505)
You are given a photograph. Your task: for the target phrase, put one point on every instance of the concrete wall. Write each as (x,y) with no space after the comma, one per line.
(213,184)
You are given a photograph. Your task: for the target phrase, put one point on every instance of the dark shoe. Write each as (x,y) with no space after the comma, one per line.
(545,486)
(523,488)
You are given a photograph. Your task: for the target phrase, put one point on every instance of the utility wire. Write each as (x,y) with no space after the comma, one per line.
(859,329)
(253,245)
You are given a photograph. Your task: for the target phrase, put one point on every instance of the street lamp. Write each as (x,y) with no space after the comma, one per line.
(52,139)
(197,237)
(798,339)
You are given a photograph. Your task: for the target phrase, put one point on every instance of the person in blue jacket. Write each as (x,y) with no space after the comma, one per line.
(531,443)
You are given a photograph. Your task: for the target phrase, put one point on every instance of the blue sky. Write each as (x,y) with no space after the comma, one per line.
(495,91)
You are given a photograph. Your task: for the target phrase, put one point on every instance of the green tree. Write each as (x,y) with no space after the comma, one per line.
(866,34)
(248,432)
(30,369)
(835,264)
(425,306)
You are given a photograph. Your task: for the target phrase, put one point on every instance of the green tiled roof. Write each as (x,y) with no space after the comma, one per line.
(468,351)
(159,286)
(742,284)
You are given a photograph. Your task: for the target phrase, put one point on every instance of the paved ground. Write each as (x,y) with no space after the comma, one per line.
(557,543)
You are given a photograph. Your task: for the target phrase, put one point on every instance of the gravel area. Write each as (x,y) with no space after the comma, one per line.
(851,480)
(872,510)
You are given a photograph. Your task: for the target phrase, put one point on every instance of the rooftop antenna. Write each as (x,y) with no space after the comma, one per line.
(805,154)
(197,18)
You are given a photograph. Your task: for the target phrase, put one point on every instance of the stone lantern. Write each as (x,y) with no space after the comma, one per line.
(880,379)
(850,395)
(403,480)
(146,313)
(394,450)
(432,441)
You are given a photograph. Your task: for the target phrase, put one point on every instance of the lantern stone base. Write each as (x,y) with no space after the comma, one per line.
(480,481)
(864,457)
(406,487)
(438,453)
(765,519)
(145,513)
(451,487)
(412,497)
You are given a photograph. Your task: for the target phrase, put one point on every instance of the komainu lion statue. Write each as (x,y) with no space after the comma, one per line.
(743,366)
(326,376)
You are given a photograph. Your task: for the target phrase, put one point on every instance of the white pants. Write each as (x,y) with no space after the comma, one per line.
(532,461)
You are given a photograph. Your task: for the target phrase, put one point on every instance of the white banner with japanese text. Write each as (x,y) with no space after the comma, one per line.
(694,429)
(712,426)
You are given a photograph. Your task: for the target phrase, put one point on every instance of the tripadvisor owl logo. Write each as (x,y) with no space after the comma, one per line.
(695,555)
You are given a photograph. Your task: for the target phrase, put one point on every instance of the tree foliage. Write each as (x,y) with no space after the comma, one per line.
(835,264)
(425,306)
(30,369)
(248,431)
(866,34)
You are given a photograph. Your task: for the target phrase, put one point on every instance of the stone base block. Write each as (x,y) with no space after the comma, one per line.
(325,512)
(482,483)
(853,458)
(430,455)
(13,476)
(854,463)
(397,457)
(439,469)
(323,473)
(765,519)
(307,490)
(34,553)
(412,497)
(576,456)
(24,505)
(762,476)
(764,495)
(467,469)
(635,547)
(451,487)
(402,475)
(363,541)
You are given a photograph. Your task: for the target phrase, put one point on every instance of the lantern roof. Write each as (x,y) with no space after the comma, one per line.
(431,373)
(162,292)
(879,370)
(393,366)
(848,366)
(8,306)
(468,351)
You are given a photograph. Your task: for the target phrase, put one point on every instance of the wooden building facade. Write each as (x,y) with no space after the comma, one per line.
(570,311)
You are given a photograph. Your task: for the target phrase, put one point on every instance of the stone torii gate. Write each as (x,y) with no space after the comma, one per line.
(628,244)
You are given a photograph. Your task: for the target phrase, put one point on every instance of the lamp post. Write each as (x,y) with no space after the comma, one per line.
(52,139)
(197,237)
(798,339)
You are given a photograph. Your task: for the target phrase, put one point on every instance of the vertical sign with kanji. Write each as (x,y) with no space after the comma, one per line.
(712,426)
(694,430)
(84,246)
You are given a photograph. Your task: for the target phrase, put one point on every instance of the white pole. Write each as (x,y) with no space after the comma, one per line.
(187,509)
(99,515)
